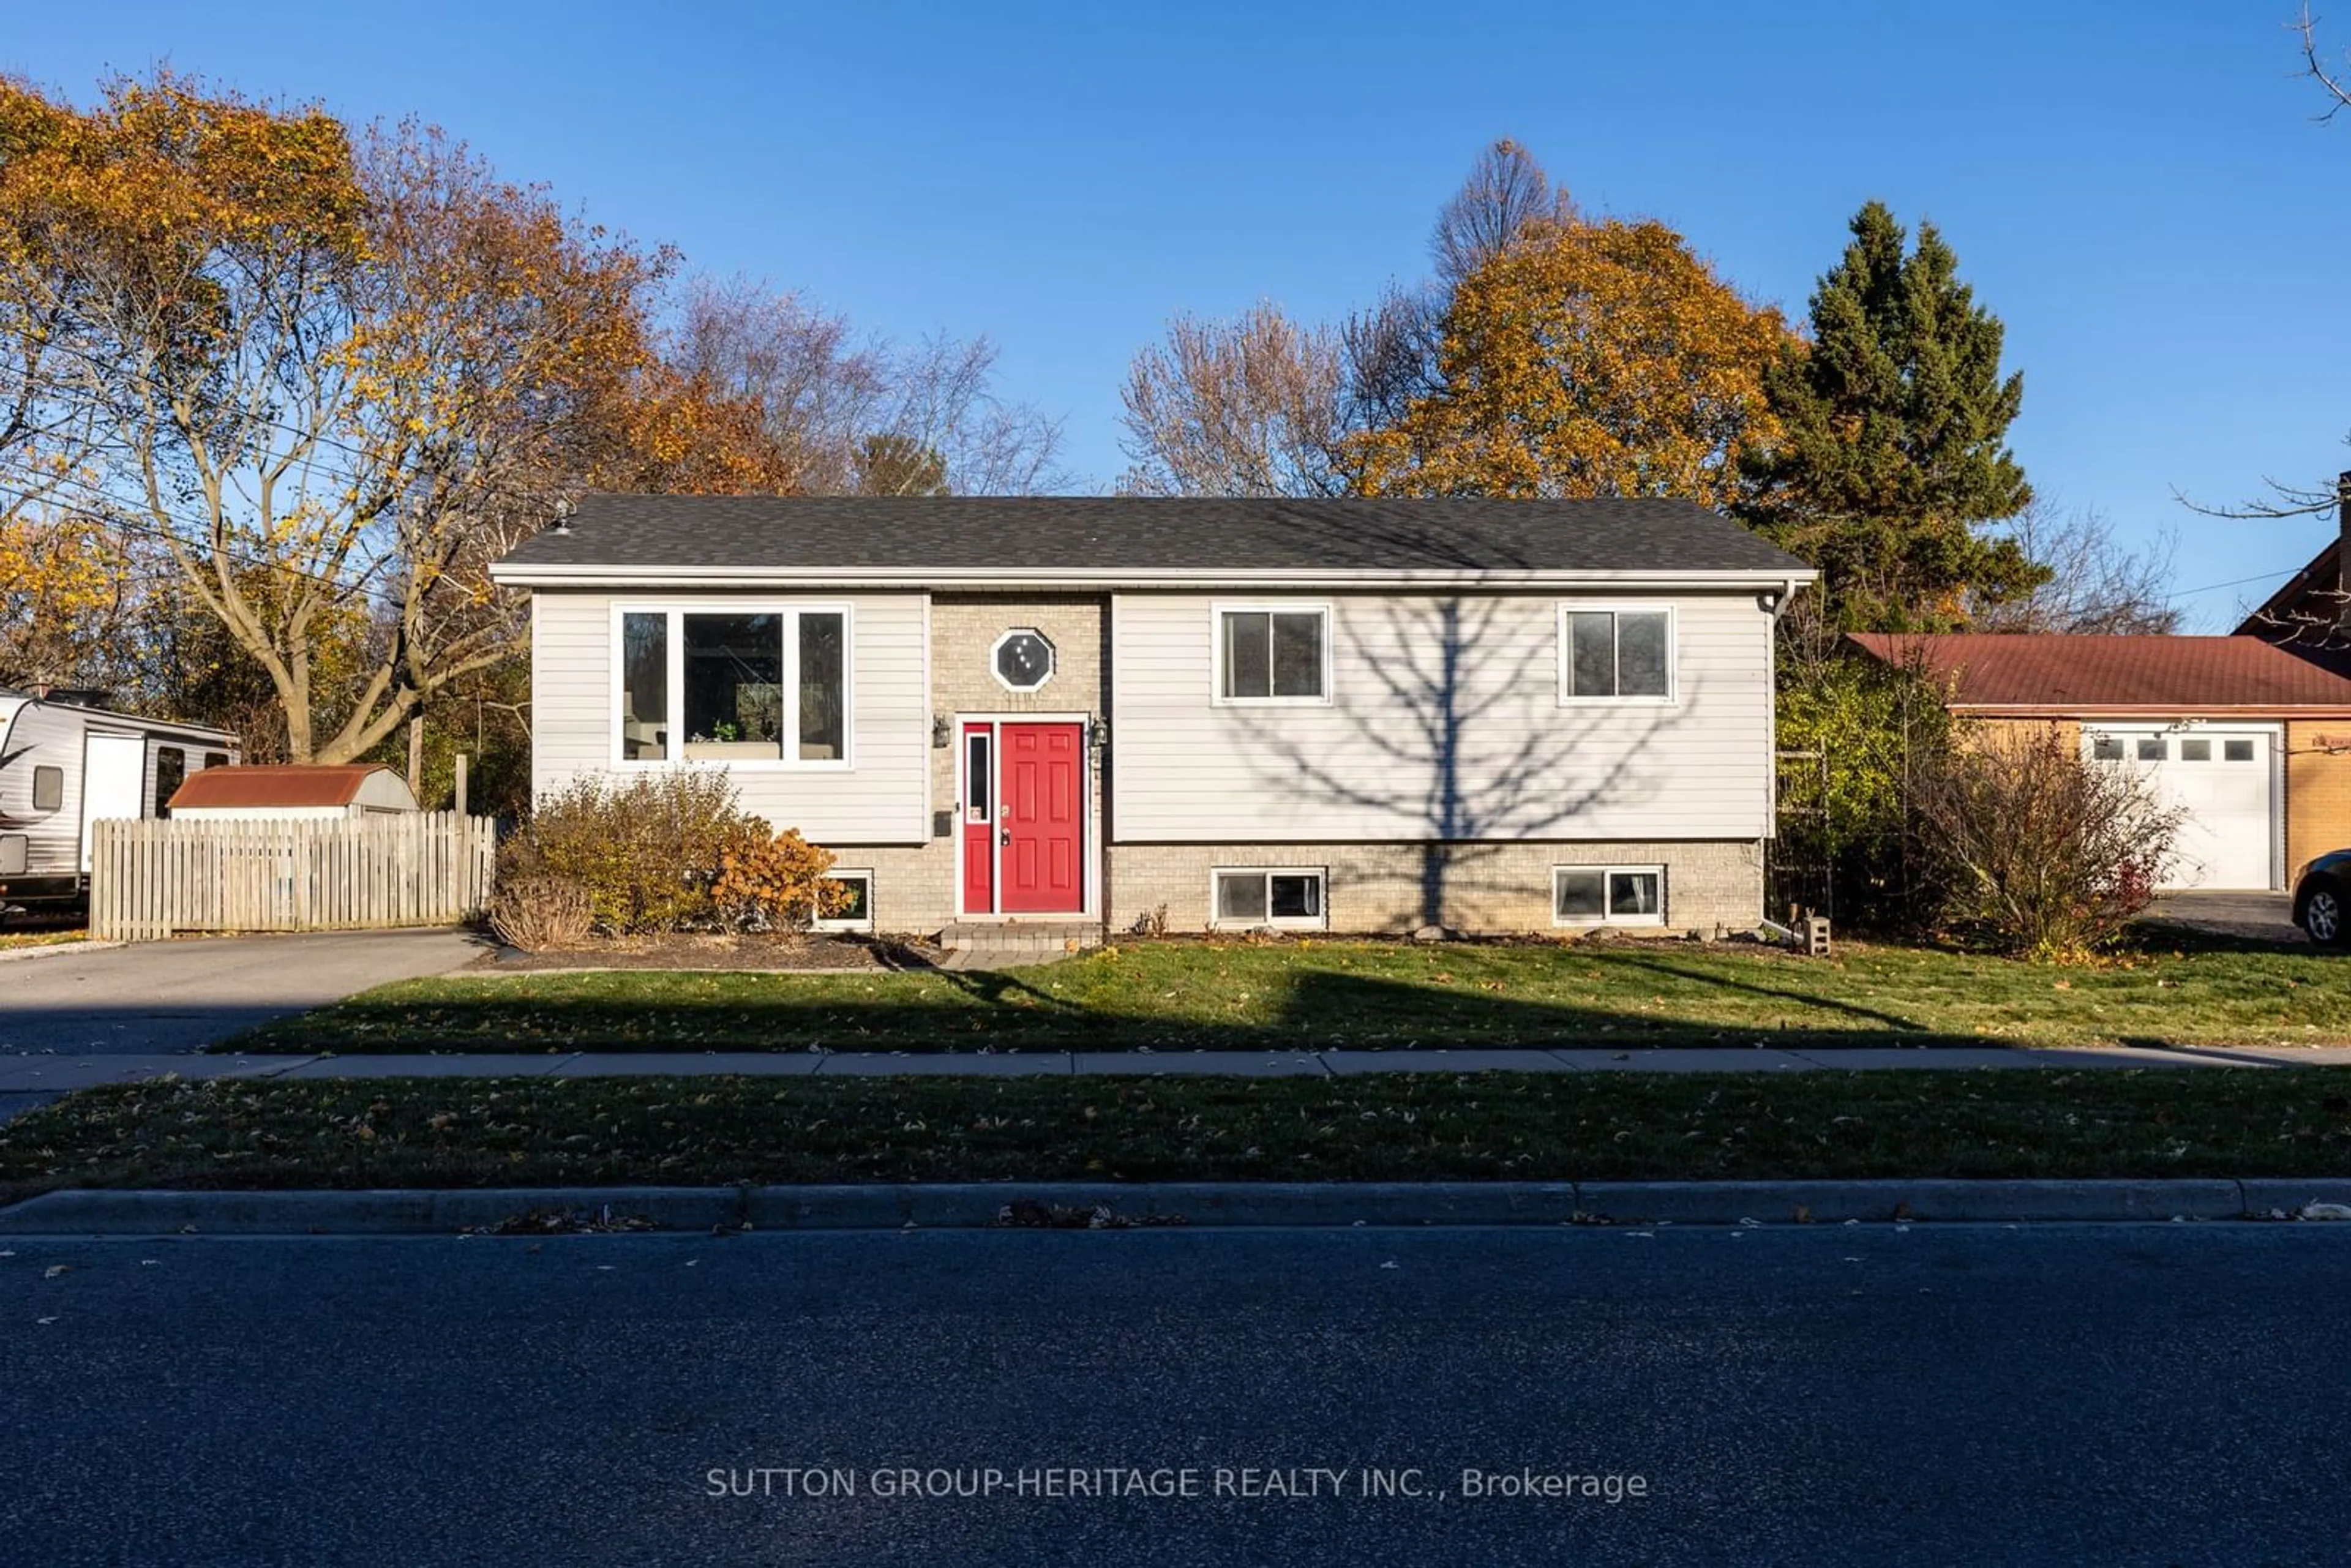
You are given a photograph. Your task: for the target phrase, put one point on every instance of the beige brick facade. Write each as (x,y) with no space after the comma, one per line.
(1478,887)
(914,887)
(2317,790)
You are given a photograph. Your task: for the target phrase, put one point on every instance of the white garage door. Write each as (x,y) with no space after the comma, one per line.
(2222,780)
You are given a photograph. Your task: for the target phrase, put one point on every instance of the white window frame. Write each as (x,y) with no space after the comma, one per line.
(1272,922)
(791,610)
(1216,613)
(1609,915)
(845,923)
(1052,663)
(1568,698)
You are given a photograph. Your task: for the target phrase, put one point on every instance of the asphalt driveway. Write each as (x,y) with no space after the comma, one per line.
(2261,916)
(181,996)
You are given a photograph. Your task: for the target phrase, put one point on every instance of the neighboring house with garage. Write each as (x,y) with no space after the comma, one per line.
(2309,614)
(2253,743)
(1354,715)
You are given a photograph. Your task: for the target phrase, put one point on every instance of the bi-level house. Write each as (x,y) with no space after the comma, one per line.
(1355,716)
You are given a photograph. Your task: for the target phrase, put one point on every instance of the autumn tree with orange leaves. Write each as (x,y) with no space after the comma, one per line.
(1587,359)
(351,372)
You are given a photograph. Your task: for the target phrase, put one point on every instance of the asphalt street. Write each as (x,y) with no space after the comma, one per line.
(2159,1394)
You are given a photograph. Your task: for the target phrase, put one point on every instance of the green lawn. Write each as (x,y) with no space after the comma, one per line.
(1404,1126)
(1370,996)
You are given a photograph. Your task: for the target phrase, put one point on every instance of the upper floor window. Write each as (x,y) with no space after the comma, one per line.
(1610,654)
(751,685)
(1274,653)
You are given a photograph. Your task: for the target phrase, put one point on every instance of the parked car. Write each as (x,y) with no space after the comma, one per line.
(2322,899)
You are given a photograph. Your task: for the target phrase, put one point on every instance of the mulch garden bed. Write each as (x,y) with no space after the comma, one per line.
(800,951)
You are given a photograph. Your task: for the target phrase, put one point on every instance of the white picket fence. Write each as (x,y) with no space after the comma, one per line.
(151,880)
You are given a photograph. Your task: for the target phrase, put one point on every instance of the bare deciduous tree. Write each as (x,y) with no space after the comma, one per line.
(1244,407)
(1261,405)
(842,414)
(1507,190)
(2096,583)
(2331,79)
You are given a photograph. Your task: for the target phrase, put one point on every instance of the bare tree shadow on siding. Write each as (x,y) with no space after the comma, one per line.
(1469,749)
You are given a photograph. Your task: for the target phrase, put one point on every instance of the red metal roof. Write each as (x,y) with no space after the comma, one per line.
(2057,673)
(314,784)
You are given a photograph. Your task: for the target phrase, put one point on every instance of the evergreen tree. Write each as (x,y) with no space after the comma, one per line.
(1894,454)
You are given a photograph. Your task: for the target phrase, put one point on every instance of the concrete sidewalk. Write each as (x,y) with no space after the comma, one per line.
(42,1074)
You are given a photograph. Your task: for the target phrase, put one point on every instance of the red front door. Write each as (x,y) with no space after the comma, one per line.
(1042,818)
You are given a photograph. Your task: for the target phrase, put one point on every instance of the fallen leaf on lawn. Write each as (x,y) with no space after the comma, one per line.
(55,1270)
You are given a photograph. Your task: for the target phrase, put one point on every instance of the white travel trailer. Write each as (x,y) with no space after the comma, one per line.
(64,765)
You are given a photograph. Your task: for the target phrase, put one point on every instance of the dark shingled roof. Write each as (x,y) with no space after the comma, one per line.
(2093,675)
(1116,534)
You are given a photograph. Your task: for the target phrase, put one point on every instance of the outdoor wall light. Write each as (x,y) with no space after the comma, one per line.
(942,731)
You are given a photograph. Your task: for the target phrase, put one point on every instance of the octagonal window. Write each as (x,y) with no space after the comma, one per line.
(1023,660)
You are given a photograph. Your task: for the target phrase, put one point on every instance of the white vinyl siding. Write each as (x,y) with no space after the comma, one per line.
(881,796)
(1444,723)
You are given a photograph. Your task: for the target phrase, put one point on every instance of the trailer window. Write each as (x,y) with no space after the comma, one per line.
(48,788)
(215,759)
(170,772)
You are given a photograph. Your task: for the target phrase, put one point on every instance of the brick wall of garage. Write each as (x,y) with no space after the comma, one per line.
(1482,887)
(2318,789)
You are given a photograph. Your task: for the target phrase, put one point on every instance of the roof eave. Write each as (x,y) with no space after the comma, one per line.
(2152,710)
(515,574)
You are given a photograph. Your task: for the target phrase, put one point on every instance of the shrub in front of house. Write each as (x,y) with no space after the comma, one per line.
(2046,854)
(646,851)
(770,884)
(538,910)
(1855,737)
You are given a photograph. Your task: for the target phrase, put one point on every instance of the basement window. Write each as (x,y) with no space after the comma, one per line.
(1287,898)
(857,913)
(1608,896)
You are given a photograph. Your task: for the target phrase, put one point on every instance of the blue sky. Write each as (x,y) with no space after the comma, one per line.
(2138,189)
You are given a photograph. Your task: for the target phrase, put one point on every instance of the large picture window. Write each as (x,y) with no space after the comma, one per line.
(748,685)
(1609,655)
(734,687)
(1273,654)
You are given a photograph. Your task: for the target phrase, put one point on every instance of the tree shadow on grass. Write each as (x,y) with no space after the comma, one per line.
(1316,1009)
(1691,975)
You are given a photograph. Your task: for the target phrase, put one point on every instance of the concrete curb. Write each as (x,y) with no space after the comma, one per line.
(52,949)
(1207,1204)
